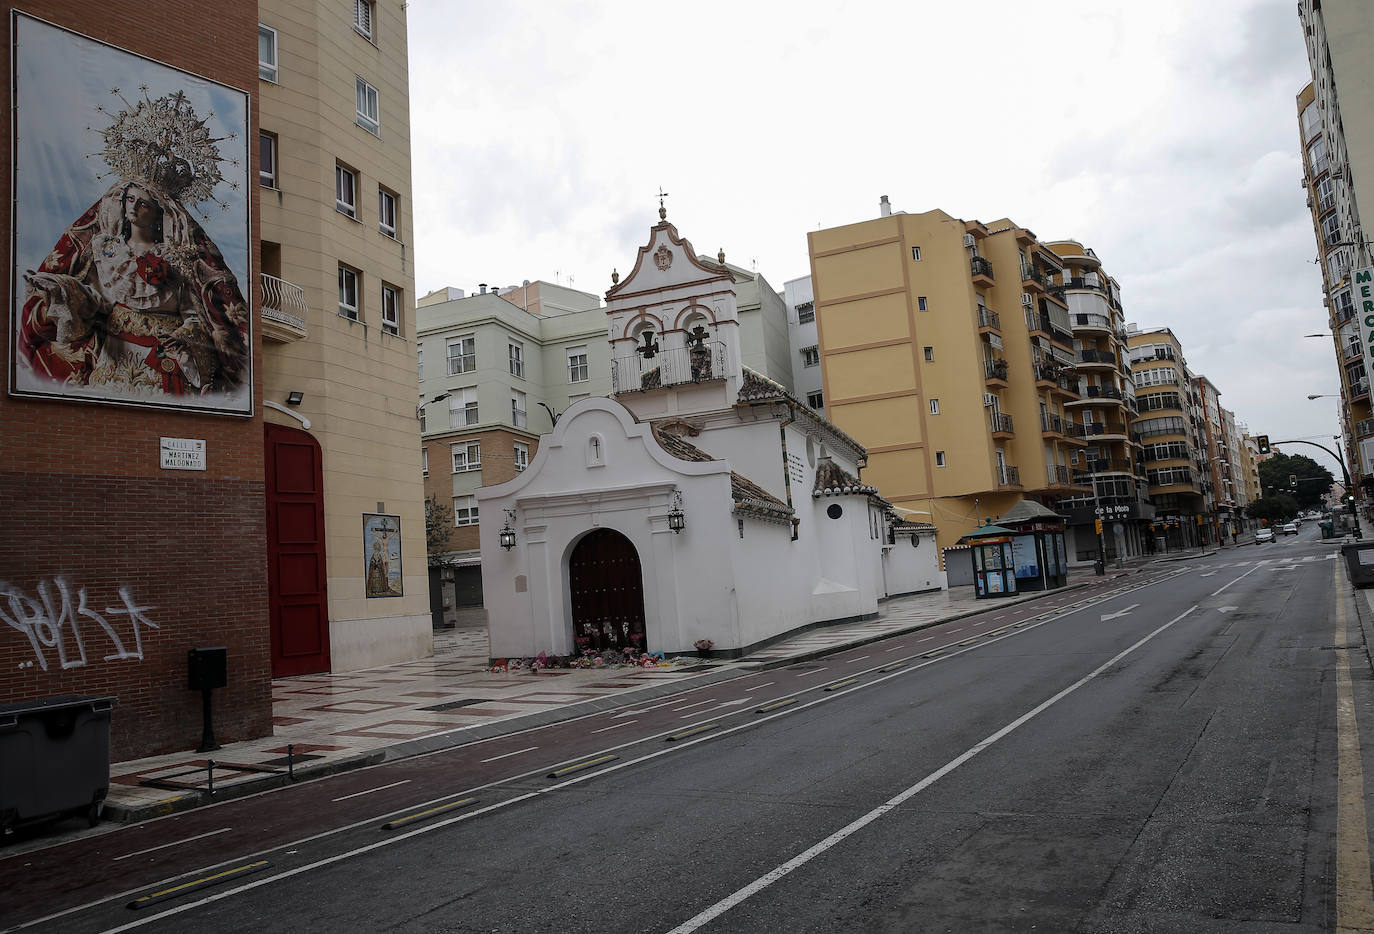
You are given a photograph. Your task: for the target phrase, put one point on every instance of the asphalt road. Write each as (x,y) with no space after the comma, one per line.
(1160,757)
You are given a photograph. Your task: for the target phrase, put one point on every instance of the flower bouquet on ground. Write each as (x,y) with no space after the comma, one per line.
(704,647)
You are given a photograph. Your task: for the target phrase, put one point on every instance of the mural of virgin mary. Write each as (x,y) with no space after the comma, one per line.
(135,301)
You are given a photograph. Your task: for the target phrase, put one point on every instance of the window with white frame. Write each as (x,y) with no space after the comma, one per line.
(267,160)
(939,458)
(467,455)
(934,406)
(369,112)
(916,254)
(363,15)
(1311,120)
(391,309)
(462,406)
(815,399)
(522,456)
(921,303)
(348,293)
(267,53)
(345,191)
(577,364)
(1316,157)
(386,212)
(516,353)
(462,354)
(811,356)
(518,416)
(424,460)
(423,429)
(1326,195)
(465,510)
(420,362)
(929,354)
(1331,229)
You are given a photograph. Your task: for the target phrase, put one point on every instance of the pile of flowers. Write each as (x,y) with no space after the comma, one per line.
(628,657)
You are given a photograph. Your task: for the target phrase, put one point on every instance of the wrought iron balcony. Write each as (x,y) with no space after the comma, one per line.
(989,319)
(671,367)
(283,310)
(1364,426)
(1009,476)
(981,268)
(1000,424)
(1352,351)
(1091,355)
(995,369)
(1098,322)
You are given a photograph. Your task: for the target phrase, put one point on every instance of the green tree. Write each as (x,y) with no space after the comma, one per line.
(1313,479)
(438,531)
(1276,509)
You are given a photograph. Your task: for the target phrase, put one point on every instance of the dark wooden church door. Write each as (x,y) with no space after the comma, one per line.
(296,591)
(607,593)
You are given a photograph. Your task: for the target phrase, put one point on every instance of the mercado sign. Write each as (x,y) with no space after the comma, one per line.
(1364,290)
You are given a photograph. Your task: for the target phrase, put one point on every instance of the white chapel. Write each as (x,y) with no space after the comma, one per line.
(700,501)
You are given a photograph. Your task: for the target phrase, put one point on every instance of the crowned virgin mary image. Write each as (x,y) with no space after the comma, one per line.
(135,301)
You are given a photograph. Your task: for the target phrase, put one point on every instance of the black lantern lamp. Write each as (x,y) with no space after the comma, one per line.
(677,520)
(507,534)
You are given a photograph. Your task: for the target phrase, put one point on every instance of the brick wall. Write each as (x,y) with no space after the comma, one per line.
(107,556)
(498,466)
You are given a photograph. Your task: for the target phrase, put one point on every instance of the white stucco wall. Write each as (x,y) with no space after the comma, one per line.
(911,570)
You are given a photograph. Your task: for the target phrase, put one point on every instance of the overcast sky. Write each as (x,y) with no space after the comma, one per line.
(1163,135)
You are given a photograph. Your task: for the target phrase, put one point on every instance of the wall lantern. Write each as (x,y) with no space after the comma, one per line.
(507,534)
(295,397)
(677,520)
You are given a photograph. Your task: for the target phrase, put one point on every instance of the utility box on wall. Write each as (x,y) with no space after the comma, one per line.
(207,668)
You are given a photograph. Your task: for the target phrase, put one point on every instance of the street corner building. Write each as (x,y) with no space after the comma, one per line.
(701,501)
(177,470)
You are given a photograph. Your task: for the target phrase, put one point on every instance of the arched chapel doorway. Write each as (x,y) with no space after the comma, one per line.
(296,591)
(607,591)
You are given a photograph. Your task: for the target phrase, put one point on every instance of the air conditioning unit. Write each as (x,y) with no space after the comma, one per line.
(989,399)
(1026,300)
(968,240)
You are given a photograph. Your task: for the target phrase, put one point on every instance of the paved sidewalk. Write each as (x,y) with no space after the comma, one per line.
(330,722)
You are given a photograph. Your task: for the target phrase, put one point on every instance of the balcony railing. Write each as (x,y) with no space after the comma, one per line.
(980,267)
(1090,355)
(1105,428)
(1101,392)
(283,309)
(1359,388)
(1364,426)
(672,367)
(1009,476)
(989,319)
(1352,351)
(1042,321)
(995,369)
(1092,321)
(1060,476)
(1033,276)
(1000,423)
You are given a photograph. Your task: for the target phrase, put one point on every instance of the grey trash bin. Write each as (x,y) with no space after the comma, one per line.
(1359,562)
(54,758)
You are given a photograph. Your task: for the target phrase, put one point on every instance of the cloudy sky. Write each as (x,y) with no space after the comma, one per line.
(1164,135)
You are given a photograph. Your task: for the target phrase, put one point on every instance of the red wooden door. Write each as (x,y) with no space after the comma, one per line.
(607,593)
(297,599)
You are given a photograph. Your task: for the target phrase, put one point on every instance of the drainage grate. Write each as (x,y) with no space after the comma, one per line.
(452,705)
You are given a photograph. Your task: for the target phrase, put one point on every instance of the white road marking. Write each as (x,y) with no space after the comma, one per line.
(1120,613)
(761,883)
(807,674)
(729,703)
(617,726)
(1208,574)
(1224,586)
(505,755)
(859,659)
(631,713)
(359,794)
(926,639)
(200,836)
(757,686)
(1227,609)
(954,630)
(895,648)
(690,706)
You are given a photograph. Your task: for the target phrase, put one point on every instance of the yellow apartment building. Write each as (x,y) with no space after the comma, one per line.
(946,354)
(346,549)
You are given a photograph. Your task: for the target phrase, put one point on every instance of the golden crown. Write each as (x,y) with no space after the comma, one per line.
(162,142)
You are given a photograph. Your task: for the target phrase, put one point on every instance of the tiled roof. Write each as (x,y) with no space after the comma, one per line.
(834,480)
(749,498)
(680,447)
(758,388)
(753,500)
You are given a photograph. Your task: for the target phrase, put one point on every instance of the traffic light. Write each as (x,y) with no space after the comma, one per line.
(1292,479)
(1263,442)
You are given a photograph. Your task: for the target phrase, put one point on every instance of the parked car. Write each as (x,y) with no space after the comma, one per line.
(1264,535)
(1289,528)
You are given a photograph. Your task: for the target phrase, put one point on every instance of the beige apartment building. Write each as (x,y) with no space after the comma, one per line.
(1337,143)
(346,546)
(1111,464)
(1168,429)
(946,353)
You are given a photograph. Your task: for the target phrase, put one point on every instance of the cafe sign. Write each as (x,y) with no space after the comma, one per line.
(1364,286)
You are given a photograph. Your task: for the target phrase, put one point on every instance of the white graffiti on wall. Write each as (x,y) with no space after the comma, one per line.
(55,618)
